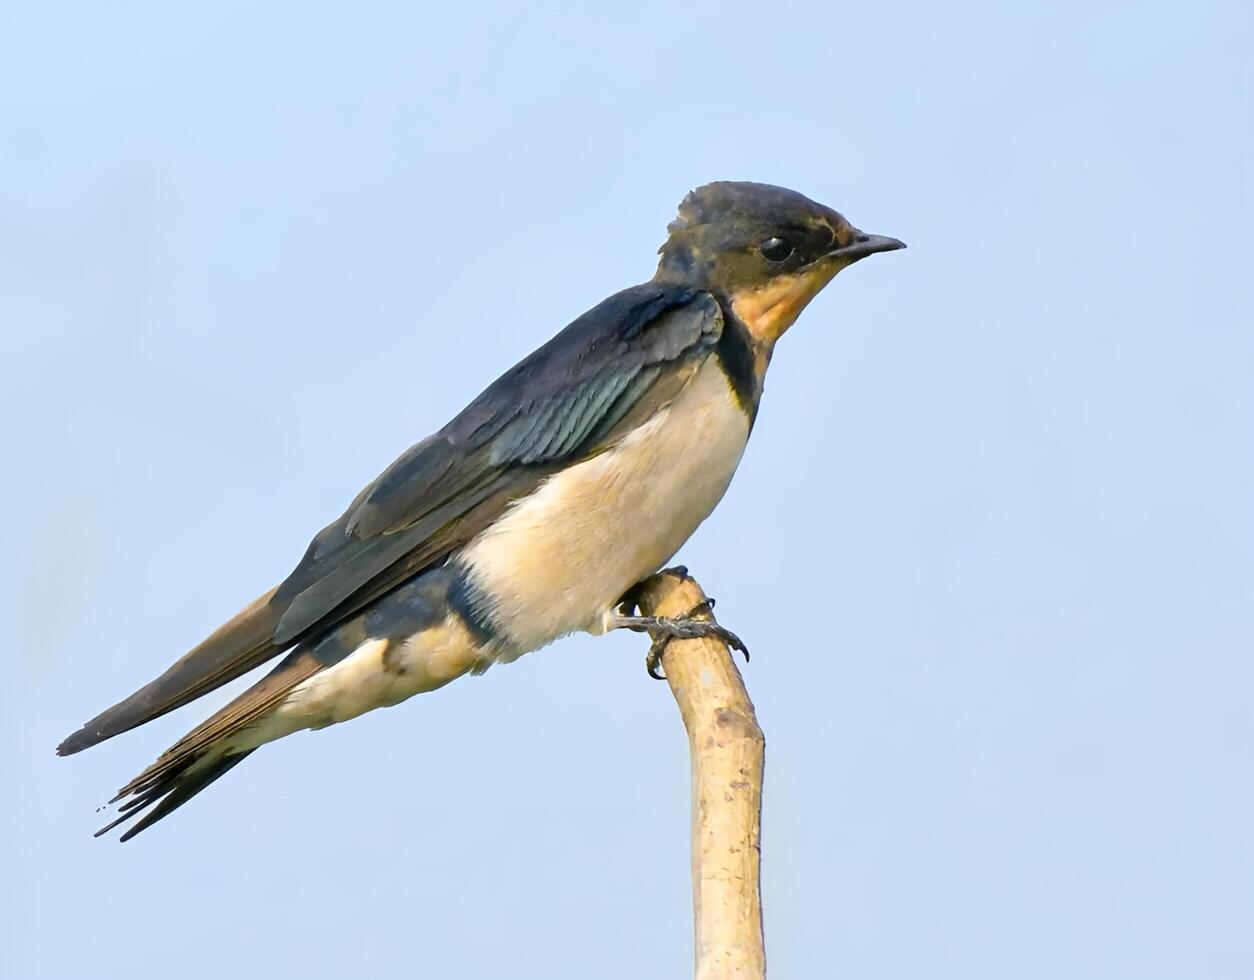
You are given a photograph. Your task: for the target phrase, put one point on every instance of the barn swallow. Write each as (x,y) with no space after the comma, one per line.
(530,515)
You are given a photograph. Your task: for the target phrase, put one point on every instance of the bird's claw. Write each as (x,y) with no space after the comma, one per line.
(653,659)
(687,627)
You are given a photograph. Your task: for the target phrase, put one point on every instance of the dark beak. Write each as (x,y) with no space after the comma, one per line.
(864,245)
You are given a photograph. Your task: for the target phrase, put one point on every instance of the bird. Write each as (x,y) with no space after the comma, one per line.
(531,515)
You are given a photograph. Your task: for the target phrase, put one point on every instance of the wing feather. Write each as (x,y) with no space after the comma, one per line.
(605,373)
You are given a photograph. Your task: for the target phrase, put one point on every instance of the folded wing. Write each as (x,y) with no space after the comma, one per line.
(604,374)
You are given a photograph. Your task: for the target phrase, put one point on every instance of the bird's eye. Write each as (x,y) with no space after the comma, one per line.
(776,249)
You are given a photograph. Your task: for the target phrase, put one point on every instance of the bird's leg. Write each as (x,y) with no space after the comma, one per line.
(663,629)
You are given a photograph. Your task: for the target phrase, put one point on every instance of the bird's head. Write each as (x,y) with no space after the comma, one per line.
(766,251)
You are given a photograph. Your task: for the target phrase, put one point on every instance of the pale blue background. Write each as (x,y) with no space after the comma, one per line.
(992,545)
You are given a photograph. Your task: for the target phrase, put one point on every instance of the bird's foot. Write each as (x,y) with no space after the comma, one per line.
(663,629)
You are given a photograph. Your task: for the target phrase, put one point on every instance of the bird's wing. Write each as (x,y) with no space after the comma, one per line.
(604,374)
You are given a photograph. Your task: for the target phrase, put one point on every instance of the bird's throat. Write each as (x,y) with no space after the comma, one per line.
(767,311)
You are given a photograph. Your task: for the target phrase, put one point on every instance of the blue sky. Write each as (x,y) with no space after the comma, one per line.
(992,544)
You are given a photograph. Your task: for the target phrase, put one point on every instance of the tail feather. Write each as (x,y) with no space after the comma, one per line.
(211,748)
(231,651)
(171,792)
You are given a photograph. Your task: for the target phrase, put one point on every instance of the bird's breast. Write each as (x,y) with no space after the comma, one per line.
(560,557)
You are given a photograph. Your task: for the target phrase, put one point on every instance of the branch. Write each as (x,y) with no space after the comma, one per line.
(727,750)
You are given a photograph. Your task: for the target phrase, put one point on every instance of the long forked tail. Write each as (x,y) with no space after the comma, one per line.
(170,791)
(233,649)
(216,745)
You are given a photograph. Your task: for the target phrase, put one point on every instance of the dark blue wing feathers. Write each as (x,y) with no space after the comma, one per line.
(545,408)
(553,408)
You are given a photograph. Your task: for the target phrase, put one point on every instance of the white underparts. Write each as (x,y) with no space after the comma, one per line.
(378,674)
(556,562)
(561,557)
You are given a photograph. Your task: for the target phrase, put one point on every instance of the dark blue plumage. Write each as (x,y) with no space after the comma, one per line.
(529,515)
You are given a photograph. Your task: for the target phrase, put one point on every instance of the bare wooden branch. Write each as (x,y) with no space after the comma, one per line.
(727,749)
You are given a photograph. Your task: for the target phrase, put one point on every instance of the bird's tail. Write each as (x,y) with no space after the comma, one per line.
(170,790)
(213,747)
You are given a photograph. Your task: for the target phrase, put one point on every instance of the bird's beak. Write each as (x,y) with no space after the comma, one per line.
(864,245)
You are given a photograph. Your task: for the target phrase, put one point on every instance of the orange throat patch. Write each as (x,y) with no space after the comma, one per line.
(767,311)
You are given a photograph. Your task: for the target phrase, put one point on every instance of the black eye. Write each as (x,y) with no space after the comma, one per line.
(776,249)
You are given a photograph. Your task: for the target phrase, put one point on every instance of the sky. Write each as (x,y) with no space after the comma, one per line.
(992,543)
